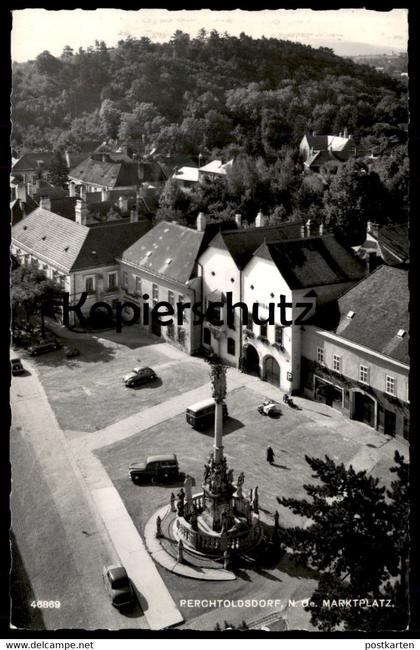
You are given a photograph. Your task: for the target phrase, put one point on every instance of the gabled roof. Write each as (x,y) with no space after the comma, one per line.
(216,167)
(169,250)
(33,161)
(106,173)
(313,261)
(380,305)
(242,243)
(69,245)
(328,142)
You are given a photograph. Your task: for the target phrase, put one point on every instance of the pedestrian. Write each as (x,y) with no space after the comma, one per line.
(270,455)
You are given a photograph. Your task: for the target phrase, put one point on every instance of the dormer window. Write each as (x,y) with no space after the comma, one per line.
(169,260)
(350,314)
(148,254)
(401,333)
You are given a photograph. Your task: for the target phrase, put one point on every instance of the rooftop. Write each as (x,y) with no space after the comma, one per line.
(313,261)
(71,246)
(379,304)
(169,250)
(33,161)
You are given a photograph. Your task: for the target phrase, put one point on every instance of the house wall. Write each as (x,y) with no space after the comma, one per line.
(187,336)
(220,275)
(347,380)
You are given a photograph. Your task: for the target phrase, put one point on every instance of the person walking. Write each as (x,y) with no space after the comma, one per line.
(270,455)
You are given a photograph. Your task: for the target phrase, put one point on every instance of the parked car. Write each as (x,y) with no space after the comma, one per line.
(201,414)
(40,347)
(71,352)
(17,368)
(119,586)
(139,376)
(155,469)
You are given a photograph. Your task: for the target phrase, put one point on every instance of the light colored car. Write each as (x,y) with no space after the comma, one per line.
(119,586)
(139,376)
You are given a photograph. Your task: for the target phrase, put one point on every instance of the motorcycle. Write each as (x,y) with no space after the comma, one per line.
(288,400)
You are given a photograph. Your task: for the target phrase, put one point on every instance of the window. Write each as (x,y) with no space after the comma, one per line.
(138,285)
(263,330)
(181,335)
(171,298)
(390,385)
(155,293)
(320,355)
(278,334)
(90,283)
(363,374)
(62,281)
(206,336)
(125,280)
(171,331)
(250,322)
(336,363)
(231,346)
(112,281)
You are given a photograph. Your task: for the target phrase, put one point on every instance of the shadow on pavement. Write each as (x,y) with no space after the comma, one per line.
(231,425)
(22,615)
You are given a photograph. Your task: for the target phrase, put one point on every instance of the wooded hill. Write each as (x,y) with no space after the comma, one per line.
(217,95)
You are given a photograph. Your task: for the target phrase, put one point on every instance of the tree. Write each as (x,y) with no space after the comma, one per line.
(354,197)
(357,538)
(57,171)
(35,293)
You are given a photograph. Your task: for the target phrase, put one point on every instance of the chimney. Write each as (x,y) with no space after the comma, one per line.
(104,194)
(313,133)
(21,193)
(238,220)
(308,227)
(345,133)
(321,229)
(259,220)
(373,229)
(201,222)
(72,190)
(134,216)
(81,212)
(123,204)
(45,203)
(29,188)
(67,159)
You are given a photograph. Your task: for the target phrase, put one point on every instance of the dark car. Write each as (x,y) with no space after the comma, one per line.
(40,347)
(139,376)
(17,368)
(201,414)
(71,352)
(155,469)
(119,586)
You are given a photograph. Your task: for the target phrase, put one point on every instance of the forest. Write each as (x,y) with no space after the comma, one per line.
(221,96)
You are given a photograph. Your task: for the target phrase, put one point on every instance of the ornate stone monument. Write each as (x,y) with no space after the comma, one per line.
(220,519)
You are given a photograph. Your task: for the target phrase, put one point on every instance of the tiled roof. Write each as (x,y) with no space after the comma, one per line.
(32,161)
(106,173)
(169,250)
(394,243)
(380,305)
(69,245)
(313,261)
(50,236)
(106,242)
(242,243)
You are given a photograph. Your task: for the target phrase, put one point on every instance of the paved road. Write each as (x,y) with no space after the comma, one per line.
(61,539)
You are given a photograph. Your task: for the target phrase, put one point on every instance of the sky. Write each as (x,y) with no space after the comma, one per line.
(36,30)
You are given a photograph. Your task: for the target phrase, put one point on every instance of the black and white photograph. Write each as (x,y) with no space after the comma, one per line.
(209,335)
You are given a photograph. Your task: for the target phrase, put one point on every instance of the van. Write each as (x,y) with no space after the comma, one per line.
(201,415)
(155,469)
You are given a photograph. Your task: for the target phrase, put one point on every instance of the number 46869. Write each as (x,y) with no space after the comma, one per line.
(46,604)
